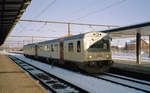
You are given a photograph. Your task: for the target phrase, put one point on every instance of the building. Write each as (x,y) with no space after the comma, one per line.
(131,45)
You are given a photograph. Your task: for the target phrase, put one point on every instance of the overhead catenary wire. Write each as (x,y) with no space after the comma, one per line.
(79,10)
(45,9)
(21,26)
(39,29)
(92,28)
(100,10)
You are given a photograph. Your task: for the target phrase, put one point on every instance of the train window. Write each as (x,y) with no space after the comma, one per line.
(70,47)
(40,48)
(56,47)
(52,48)
(31,48)
(46,47)
(78,46)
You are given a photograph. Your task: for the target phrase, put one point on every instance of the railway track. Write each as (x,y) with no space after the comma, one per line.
(52,83)
(132,83)
(129,79)
(140,85)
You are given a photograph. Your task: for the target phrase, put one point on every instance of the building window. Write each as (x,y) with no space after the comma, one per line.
(78,46)
(70,47)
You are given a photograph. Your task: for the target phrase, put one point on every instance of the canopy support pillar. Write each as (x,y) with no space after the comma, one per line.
(149,46)
(138,47)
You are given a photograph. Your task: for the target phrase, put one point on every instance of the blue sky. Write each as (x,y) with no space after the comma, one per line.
(125,12)
(111,12)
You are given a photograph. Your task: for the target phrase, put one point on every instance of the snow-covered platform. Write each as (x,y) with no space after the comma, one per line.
(131,65)
(15,80)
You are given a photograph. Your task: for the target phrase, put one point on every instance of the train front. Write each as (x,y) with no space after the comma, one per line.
(98,56)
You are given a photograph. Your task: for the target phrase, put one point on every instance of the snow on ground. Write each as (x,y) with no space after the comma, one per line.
(91,84)
(138,85)
(131,78)
(129,57)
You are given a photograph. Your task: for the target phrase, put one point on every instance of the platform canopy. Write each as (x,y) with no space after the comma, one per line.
(130,31)
(10,13)
(137,30)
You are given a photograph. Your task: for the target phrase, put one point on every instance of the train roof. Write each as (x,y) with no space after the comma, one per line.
(31,44)
(75,37)
(79,36)
(49,41)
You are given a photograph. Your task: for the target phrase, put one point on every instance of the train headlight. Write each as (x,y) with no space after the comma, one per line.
(107,56)
(90,57)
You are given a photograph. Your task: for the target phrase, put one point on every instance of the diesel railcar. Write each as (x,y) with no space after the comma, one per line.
(89,52)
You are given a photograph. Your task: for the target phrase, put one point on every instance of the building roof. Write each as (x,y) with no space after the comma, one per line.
(132,42)
(10,13)
(147,41)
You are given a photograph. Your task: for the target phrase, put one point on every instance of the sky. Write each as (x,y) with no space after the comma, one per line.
(108,12)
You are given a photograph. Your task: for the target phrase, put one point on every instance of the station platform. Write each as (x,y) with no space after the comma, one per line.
(14,80)
(132,66)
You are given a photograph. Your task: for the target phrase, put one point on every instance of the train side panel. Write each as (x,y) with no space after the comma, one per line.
(42,51)
(49,50)
(73,50)
(29,50)
(54,52)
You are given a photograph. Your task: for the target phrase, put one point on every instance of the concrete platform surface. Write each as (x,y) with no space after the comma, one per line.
(130,65)
(14,80)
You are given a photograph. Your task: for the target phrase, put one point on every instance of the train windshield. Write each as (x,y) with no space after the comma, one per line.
(102,45)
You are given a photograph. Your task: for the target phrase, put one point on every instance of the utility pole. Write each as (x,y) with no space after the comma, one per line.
(23,42)
(32,39)
(69,30)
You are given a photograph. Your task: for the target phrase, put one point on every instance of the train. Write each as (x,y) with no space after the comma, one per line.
(89,52)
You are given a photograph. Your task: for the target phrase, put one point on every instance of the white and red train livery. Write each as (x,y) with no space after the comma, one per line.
(89,52)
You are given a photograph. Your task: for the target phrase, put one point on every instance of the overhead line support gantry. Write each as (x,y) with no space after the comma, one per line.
(68,23)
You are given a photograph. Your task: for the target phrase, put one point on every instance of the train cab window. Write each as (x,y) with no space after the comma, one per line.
(52,48)
(70,47)
(102,45)
(78,46)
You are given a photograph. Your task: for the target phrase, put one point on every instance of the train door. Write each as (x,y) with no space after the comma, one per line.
(35,50)
(62,50)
